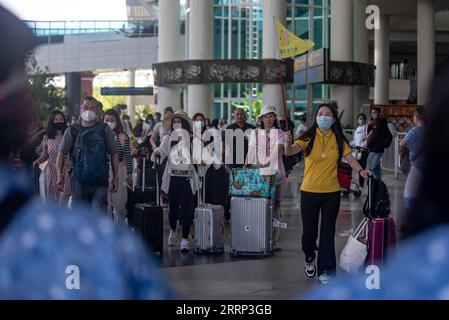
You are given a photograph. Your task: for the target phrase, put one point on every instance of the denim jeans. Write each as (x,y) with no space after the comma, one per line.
(94,196)
(373,164)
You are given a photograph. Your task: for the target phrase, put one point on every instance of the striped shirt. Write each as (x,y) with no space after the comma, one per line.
(124,154)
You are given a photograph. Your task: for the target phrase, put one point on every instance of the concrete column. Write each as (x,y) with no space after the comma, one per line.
(342,49)
(132,99)
(361,53)
(199,96)
(382,61)
(73,89)
(426,48)
(272,94)
(169,49)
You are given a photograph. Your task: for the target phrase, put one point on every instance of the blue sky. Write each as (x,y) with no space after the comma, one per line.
(65,10)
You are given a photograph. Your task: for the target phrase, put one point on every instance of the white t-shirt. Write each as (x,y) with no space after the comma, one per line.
(359,137)
(160,130)
(263,149)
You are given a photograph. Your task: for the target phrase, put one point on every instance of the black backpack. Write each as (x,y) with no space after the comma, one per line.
(387,138)
(380,199)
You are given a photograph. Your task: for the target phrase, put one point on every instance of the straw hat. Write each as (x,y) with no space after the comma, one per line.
(178,114)
(267,109)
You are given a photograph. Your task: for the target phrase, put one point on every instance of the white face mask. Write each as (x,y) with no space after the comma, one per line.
(112,125)
(88,116)
(177,126)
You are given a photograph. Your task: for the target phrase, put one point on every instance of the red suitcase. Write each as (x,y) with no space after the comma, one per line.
(381,233)
(344,175)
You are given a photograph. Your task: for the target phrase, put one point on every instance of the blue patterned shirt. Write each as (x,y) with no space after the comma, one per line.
(49,252)
(414,140)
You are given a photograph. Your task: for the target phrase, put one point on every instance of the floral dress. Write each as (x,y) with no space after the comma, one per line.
(50,153)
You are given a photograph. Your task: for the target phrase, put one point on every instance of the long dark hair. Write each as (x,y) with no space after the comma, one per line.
(185,126)
(51,131)
(275,125)
(310,134)
(119,127)
(430,208)
(197,115)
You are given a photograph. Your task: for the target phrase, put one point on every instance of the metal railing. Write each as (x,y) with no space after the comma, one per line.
(141,28)
(391,159)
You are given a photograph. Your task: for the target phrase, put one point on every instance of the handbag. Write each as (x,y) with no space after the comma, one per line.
(354,253)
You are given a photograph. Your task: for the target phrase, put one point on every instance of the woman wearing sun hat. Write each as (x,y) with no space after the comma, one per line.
(180,180)
(268,142)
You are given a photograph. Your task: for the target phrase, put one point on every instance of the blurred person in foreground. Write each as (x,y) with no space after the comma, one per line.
(418,269)
(48,252)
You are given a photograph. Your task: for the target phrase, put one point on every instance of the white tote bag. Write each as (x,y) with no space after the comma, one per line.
(354,253)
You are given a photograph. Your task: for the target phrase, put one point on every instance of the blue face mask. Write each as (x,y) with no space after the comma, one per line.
(324,122)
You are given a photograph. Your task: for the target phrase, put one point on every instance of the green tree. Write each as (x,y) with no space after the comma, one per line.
(256,106)
(44,94)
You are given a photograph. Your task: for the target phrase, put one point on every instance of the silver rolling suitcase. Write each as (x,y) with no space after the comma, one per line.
(251,226)
(209,226)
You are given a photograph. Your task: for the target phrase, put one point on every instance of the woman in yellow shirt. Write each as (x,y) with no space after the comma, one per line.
(323,145)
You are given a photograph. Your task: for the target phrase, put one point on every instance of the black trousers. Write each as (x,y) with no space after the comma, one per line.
(180,198)
(311,206)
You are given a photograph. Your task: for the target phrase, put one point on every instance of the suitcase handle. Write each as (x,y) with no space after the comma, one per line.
(158,192)
(143,175)
(202,193)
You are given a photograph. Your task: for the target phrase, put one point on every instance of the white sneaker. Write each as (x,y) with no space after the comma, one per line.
(310,269)
(185,245)
(172,238)
(324,278)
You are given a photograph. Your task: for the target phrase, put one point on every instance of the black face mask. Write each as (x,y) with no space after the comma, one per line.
(60,126)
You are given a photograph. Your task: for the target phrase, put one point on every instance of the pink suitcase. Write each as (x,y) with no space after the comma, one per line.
(381,240)
(381,234)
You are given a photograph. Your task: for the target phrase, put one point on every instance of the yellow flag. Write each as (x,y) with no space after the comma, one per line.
(290,45)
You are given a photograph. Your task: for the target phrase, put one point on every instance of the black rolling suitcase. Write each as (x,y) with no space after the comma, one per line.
(145,193)
(149,223)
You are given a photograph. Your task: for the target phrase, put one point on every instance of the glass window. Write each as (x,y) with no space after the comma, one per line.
(302,28)
(302,2)
(217,39)
(217,89)
(301,94)
(234,39)
(234,89)
(317,91)
(318,2)
(318,33)
(218,10)
(301,12)
(216,111)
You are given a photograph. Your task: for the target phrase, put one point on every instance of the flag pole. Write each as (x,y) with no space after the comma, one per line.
(280,75)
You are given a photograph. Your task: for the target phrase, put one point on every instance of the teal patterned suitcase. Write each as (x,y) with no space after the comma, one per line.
(248,182)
